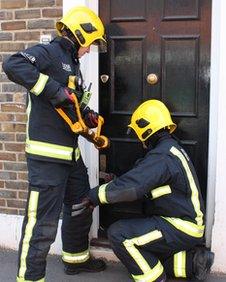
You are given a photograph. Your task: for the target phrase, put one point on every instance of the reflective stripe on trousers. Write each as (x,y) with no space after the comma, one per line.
(51,150)
(149,274)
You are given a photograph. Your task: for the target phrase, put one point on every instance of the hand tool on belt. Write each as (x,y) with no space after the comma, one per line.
(79,127)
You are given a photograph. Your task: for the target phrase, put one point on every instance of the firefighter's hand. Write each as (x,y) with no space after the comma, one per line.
(63,98)
(90,118)
(87,203)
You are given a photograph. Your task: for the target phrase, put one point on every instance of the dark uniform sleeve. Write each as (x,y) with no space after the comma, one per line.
(150,173)
(27,68)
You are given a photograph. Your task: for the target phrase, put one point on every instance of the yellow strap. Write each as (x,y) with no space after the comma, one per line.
(102,193)
(40,84)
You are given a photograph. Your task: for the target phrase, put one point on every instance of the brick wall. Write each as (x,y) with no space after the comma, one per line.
(22,22)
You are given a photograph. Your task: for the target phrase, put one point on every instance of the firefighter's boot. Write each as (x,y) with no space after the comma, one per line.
(91,265)
(202,262)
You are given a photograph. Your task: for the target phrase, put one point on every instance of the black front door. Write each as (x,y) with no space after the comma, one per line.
(156,49)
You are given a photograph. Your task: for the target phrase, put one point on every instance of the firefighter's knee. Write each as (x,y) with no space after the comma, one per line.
(115,233)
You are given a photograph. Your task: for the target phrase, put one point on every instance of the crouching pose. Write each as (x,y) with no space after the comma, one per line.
(168,241)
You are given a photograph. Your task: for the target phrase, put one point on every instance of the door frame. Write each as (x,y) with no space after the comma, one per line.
(217,100)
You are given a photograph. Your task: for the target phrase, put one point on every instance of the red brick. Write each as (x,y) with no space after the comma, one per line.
(15,166)
(40,3)
(16,203)
(37,24)
(7,137)
(7,156)
(21,211)
(15,25)
(6,36)
(8,211)
(21,118)
(13,127)
(6,15)
(21,137)
(7,175)
(59,3)
(2,184)
(12,87)
(8,194)
(6,97)
(6,117)
(52,13)
(23,194)
(3,77)
(12,107)
(14,147)
(16,185)
(27,14)
(22,176)
(2,202)
(20,97)
(27,35)
(13,47)
(12,4)
(21,157)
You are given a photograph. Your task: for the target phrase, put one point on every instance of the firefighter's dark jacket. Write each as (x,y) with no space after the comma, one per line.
(166,179)
(43,70)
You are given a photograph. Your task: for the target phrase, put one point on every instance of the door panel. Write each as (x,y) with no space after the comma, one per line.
(168,38)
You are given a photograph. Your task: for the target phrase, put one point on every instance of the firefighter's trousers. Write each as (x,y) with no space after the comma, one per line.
(151,249)
(51,186)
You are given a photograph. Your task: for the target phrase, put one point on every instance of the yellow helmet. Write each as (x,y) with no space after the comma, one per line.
(85,25)
(150,117)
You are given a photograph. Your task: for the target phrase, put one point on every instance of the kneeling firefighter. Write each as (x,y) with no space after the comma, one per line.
(168,241)
(56,172)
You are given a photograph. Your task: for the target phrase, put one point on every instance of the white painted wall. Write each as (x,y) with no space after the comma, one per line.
(216,206)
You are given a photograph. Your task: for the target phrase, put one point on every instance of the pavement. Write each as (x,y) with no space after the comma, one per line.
(115,272)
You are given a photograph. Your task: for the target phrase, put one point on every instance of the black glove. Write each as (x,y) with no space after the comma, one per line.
(63,98)
(90,118)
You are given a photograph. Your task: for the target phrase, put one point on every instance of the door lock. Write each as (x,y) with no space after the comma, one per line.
(104,78)
(152,78)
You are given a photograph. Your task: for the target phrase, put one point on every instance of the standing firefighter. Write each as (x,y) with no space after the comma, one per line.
(168,241)
(56,172)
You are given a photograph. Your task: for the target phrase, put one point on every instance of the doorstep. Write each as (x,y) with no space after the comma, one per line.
(100,248)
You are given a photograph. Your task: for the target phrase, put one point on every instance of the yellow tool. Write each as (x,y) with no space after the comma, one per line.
(79,127)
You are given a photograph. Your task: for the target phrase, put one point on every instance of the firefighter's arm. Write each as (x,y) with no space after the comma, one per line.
(132,185)
(27,68)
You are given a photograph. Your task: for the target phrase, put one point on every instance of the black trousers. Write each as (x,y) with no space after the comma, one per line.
(151,252)
(51,186)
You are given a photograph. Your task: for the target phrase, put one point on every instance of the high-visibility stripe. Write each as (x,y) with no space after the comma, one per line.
(129,244)
(28,111)
(179,264)
(187,227)
(51,150)
(75,257)
(194,189)
(32,218)
(40,84)
(160,191)
(102,193)
(23,280)
(150,276)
